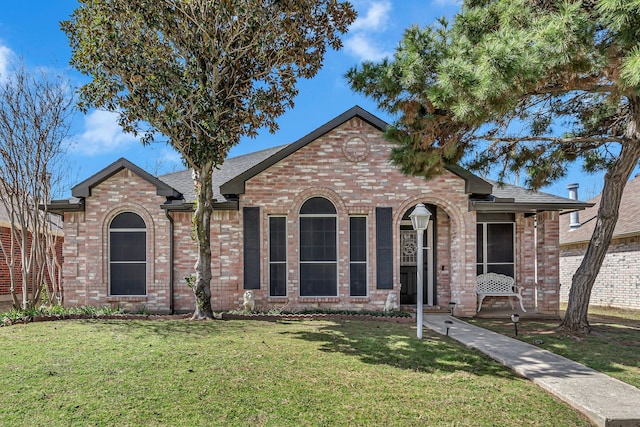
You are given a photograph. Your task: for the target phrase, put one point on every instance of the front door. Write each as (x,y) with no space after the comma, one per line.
(409,265)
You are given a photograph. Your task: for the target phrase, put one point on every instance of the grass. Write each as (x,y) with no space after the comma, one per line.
(237,373)
(611,348)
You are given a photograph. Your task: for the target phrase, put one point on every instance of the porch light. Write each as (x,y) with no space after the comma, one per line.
(420,221)
(448,324)
(515,318)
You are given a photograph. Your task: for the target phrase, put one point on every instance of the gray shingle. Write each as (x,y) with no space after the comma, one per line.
(232,167)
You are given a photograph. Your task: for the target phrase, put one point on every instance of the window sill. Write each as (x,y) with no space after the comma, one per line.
(359,300)
(278,299)
(116,298)
(319,299)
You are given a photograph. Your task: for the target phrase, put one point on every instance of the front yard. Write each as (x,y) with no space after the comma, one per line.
(612,347)
(241,372)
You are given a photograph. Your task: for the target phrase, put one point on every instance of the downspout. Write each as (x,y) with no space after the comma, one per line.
(170,218)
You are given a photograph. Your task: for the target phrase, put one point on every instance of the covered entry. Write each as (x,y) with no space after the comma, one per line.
(409,257)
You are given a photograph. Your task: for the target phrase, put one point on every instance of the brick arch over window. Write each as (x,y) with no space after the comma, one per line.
(150,224)
(326,193)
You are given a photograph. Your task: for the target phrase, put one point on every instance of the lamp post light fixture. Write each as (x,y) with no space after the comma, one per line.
(448,324)
(420,221)
(515,318)
(452,305)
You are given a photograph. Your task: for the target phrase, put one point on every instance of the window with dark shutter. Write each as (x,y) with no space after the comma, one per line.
(251,228)
(384,248)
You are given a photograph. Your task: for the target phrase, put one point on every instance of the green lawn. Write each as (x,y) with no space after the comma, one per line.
(613,347)
(297,373)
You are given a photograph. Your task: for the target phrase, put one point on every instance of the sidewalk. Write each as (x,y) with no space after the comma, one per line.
(604,400)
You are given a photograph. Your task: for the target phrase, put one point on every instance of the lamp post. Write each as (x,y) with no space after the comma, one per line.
(420,221)
(515,318)
(448,324)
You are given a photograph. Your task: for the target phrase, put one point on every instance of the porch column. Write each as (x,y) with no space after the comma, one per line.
(548,262)
(463,266)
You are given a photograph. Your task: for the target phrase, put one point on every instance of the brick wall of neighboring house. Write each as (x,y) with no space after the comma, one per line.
(617,284)
(5,276)
(86,252)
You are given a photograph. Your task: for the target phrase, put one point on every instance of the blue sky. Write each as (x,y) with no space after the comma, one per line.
(30,30)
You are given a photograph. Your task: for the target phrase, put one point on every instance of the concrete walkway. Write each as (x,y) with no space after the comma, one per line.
(604,400)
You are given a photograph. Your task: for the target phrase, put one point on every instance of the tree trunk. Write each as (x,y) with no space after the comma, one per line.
(615,180)
(202,231)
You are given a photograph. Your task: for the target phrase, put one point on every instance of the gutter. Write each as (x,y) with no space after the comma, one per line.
(170,218)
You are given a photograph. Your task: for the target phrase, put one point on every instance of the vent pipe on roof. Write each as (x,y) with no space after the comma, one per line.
(574,217)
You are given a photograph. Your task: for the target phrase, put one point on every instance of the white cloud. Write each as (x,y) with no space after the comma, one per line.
(102,134)
(6,56)
(375,19)
(364,48)
(365,39)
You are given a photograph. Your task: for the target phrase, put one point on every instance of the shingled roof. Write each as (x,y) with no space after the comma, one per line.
(229,179)
(628,223)
(232,167)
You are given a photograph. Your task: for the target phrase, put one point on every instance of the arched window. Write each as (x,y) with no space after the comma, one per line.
(318,248)
(127,255)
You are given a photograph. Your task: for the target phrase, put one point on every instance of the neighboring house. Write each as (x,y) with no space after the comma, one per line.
(322,222)
(618,282)
(5,235)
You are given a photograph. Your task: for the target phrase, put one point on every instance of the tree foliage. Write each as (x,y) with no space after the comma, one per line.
(35,116)
(531,85)
(203,73)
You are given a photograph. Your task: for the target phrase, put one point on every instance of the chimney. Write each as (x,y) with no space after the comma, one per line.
(574,217)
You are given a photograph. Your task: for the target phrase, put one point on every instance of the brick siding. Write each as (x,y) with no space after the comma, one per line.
(355,175)
(617,284)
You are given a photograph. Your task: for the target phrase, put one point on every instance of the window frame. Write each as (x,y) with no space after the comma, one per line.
(314,262)
(485,253)
(124,262)
(366,256)
(270,262)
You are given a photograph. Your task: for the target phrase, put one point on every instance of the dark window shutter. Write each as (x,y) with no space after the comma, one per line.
(251,224)
(384,248)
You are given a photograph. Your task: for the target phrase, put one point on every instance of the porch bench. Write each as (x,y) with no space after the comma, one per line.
(497,285)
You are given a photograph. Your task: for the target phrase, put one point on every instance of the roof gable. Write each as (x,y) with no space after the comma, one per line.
(236,185)
(84,188)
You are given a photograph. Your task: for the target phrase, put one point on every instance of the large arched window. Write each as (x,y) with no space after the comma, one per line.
(318,248)
(127,255)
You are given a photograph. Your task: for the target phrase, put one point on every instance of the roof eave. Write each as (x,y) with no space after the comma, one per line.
(83,189)
(61,206)
(473,183)
(482,206)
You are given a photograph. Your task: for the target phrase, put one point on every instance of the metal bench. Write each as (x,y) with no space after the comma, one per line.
(497,285)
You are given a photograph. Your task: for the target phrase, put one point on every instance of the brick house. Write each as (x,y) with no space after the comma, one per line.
(618,282)
(5,236)
(322,222)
